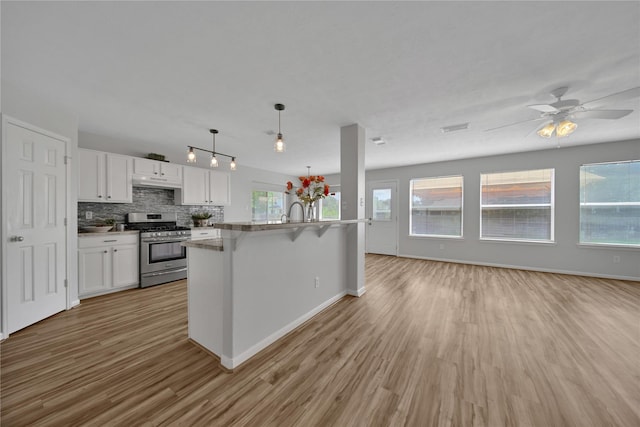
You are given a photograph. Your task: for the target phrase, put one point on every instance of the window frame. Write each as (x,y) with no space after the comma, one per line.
(617,245)
(321,205)
(551,204)
(437,236)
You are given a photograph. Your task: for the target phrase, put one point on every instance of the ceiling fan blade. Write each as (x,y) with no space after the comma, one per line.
(618,96)
(601,114)
(544,108)
(517,123)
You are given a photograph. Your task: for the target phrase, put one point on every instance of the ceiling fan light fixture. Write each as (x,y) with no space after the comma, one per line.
(547,131)
(566,128)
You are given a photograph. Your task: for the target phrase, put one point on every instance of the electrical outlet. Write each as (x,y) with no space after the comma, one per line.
(88,215)
(616,259)
(317,282)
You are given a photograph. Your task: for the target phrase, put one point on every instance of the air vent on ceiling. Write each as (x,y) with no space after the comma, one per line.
(454,128)
(378,140)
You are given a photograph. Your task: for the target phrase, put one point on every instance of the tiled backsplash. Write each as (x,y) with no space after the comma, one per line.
(145,199)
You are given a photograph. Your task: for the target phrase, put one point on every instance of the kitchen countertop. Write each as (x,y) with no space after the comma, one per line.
(212,244)
(108,233)
(277,225)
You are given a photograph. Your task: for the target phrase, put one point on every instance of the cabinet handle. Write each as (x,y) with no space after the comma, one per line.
(162,174)
(99,196)
(108,197)
(115,250)
(106,252)
(155,173)
(106,241)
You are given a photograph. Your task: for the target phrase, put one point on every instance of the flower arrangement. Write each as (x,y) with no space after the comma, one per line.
(312,188)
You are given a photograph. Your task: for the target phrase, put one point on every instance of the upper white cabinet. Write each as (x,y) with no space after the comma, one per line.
(156,173)
(104,177)
(204,187)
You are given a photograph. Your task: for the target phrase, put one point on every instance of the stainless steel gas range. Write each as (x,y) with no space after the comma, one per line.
(162,258)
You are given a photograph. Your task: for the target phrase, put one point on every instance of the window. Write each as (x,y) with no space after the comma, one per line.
(267,205)
(610,203)
(381,204)
(330,206)
(436,206)
(517,205)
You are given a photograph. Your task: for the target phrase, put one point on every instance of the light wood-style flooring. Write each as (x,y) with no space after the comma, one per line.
(429,344)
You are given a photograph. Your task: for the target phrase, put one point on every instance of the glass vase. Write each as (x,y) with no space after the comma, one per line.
(311,212)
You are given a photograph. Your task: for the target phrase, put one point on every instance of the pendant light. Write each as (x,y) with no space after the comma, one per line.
(191,155)
(279,146)
(214,161)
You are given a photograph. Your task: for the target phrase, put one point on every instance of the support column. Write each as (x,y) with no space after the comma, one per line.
(352,189)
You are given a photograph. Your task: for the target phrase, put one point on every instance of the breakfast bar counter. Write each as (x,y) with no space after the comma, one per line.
(261,280)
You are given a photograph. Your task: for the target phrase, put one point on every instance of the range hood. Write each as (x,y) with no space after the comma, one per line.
(152,181)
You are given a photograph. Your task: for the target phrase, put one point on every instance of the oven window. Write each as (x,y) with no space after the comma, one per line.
(166,251)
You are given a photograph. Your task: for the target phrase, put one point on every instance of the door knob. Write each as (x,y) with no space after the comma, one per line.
(17,239)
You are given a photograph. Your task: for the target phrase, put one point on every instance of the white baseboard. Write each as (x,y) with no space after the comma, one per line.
(357,293)
(234,362)
(75,303)
(521,267)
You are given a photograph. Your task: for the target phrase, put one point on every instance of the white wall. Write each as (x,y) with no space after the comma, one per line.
(562,256)
(31,108)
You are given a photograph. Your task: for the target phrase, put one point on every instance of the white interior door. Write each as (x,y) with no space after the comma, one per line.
(382,208)
(34,190)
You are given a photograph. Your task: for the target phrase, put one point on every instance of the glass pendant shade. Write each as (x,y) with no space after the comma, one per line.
(547,131)
(232,165)
(214,161)
(191,156)
(279,146)
(565,128)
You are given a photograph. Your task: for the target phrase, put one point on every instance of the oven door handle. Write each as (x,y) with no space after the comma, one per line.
(166,241)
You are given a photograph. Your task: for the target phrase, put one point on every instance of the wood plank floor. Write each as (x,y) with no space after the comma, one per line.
(429,344)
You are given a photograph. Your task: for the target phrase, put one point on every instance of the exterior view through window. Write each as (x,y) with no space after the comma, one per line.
(382,204)
(436,206)
(610,203)
(517,205)
(330,206)
(267,205)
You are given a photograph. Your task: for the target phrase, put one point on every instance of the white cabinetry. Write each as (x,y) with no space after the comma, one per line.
(103,177)
(107,263)
(200,233)
(156,173)
(204,187)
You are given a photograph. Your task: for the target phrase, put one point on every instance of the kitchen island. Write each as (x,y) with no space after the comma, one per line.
(260,281)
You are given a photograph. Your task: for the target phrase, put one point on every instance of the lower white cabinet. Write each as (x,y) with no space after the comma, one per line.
(107,263)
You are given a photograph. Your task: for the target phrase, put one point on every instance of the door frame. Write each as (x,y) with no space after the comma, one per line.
(394,207)
(4,302)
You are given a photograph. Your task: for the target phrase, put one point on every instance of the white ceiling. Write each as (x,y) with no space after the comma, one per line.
(160,74)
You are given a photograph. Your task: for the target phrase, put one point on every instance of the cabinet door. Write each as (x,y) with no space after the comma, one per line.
(125,265)
(146,167)
(195,186)
(93,270)
(91,176)
(118,178)
(219,187)
(171,172)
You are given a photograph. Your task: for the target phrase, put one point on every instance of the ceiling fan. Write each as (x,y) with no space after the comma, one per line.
(558,116)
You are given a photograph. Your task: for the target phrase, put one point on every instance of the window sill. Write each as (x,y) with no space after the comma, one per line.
(435,237)
(521,242)
(608,246)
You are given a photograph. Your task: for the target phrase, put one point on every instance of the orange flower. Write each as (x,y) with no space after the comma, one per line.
(306,183)
(312,178)
(320,178)
(302,178)
(299,191)
(289,185)
(326,190)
